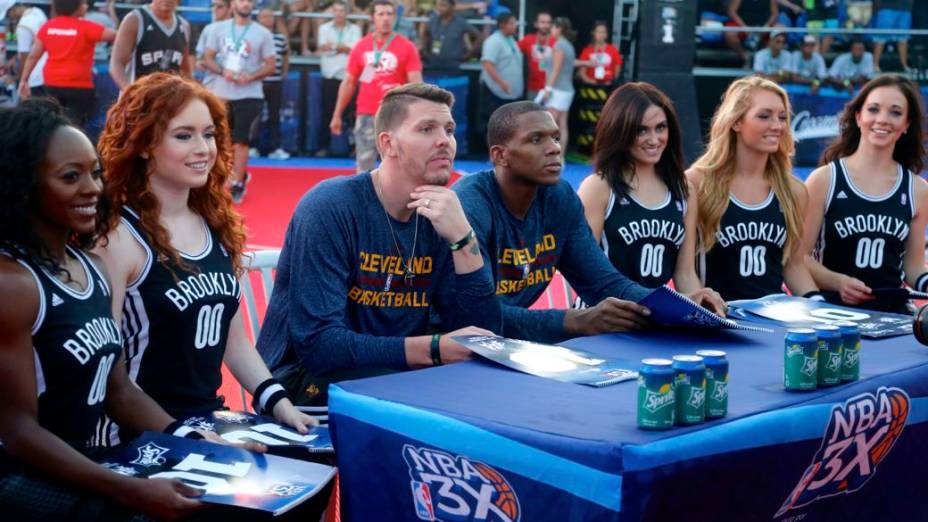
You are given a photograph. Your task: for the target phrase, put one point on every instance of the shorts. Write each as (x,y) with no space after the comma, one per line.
(831,23)
(244,116)
(365,145)
(892,19)
(559,100)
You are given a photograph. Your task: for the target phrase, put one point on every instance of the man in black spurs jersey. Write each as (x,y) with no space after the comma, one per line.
(152,38)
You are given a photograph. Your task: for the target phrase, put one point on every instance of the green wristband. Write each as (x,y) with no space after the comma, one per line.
(435,349)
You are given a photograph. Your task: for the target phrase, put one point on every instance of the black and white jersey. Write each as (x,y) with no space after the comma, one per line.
(864,236)
(75,343)
(158,47)
(643,242)
(176,323)
(746,260)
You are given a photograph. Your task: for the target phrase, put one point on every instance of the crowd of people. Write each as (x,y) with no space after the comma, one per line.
(817,16)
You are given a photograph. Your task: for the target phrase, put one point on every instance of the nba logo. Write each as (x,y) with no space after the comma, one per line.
(423,498)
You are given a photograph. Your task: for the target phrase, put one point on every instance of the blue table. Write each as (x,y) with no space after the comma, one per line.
(475,441)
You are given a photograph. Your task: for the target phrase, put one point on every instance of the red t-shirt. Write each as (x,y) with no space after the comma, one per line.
(397,60)
(537,53)
(69,42)
(608,57)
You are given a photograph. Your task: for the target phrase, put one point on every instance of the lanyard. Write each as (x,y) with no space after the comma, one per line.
(379,52)
(512,44)
(236,42)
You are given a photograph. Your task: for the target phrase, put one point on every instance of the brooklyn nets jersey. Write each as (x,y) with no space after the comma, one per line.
(75,344)
(643,242)
(158,48)
(746,260)
(864,236)
(176,324)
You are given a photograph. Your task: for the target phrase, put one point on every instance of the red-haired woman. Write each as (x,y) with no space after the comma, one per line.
(175,251)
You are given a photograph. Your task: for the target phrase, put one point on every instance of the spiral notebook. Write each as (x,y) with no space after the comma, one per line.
(798,311)
(236,426)
(549,361)
(671,308)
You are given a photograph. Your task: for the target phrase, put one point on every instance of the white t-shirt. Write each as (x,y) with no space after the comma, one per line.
(30,23)
(332,64)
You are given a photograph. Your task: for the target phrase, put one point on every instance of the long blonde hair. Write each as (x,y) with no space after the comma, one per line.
(717,164)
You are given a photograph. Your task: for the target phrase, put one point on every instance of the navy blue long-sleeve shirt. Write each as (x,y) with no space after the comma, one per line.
(524,254)
(340,300)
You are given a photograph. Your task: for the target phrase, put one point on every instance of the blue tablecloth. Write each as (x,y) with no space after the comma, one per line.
(475,441)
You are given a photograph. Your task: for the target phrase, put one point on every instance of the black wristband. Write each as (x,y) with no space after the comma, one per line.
(814,295)
(179,429)
(463,242)
(921,284)
(435,349)
(267,395)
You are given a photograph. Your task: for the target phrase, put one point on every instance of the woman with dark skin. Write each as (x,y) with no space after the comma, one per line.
(61,361)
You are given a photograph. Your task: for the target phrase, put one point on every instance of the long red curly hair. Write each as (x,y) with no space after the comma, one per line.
(135,125)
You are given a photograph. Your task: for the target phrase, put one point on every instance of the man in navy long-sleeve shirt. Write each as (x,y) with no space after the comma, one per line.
(370,261)
(531,223)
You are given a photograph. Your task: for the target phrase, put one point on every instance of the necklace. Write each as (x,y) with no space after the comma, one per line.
(408,274)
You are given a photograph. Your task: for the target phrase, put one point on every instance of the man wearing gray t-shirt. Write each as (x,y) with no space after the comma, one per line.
(447,39)
(501,80)
(241,53)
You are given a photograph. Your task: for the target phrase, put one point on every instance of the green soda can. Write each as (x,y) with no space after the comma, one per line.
(830,355)
(655,394)
(689,389)
(800,366)
(850,339)
(716,383)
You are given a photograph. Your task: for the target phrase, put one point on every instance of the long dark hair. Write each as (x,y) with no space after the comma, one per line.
(25,133)
(909,150)
(617,131)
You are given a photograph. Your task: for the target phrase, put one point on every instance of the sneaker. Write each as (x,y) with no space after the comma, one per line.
(253,153)
(322,153)
(279,154)
(238,191)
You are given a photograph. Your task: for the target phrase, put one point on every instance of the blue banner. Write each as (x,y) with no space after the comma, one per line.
(816,119)
(226,475)
(291,117)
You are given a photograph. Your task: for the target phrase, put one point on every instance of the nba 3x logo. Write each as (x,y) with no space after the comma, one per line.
(860,434)
(454,488)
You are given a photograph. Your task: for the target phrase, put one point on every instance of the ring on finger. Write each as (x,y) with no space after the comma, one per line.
(427,202)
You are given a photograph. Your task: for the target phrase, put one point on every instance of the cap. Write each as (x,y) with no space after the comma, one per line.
(809,39)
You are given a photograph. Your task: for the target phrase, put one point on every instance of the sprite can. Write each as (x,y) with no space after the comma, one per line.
(655,394)
(830,355)
(689,389)
(800,366)
(850,339)
(716,383)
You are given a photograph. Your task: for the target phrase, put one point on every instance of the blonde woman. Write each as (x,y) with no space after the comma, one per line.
(750,205)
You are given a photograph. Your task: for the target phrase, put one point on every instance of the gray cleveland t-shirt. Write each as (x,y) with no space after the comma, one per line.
(240,48)
(506,57)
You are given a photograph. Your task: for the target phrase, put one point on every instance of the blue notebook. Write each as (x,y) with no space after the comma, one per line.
(226,475)
(798,311)
(671,308)
(549,361)
(236,426)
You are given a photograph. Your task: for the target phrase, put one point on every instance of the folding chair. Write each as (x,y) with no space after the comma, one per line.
(265,263)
